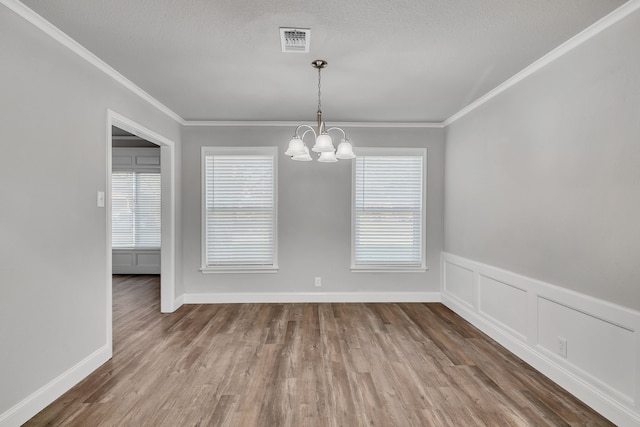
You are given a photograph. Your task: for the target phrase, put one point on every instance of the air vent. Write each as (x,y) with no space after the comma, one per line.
(295,40)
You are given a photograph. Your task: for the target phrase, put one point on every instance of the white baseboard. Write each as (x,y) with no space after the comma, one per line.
(317,297)
(37,401)
(178,302)
(602,366)
(518,312)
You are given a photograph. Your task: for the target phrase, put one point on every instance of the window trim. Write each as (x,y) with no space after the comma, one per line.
(390,151)
(233,151)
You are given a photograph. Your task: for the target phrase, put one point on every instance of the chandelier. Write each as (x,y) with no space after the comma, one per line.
(323,142)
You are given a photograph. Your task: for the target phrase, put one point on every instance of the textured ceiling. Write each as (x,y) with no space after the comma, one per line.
(390,61)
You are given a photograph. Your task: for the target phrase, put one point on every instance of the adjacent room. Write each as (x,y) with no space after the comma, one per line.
(340,213)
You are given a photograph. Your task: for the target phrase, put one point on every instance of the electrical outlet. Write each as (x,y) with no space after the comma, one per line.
(318,282)
(562,347)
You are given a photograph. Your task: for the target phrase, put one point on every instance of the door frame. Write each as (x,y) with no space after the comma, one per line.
(168,302)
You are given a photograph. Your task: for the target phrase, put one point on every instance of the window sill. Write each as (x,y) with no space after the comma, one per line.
(236,270)
(388,269)
(135,249)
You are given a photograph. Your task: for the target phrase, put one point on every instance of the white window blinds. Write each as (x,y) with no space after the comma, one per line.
(239,209)
(135,205)
(388,211)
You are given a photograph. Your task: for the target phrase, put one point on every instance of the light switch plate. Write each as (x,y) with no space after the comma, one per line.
(101,199)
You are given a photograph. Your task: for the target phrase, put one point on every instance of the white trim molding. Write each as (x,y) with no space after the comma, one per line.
(178,302)
(277,123)
(62,38)
(310,297)
(566,47)
(41,398)
(55,33)
(599,358)
(168,168)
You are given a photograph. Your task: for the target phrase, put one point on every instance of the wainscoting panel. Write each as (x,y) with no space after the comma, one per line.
(122,259)
(588,346)
(147,160)
(132,261)
(504,304)
(122,160)
(459,282)
(148,259)
(597,347)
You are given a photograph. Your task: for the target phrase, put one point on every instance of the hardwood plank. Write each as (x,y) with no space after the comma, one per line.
(306,365)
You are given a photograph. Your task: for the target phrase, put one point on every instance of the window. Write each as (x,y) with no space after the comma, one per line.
(135,210)
(388,209)
(239,204)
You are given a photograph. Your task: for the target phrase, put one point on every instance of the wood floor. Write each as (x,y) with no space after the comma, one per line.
(306,365)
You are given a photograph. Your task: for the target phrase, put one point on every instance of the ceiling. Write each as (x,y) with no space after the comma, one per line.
(389,61)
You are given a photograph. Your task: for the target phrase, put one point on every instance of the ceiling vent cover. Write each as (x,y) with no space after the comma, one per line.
(295,40)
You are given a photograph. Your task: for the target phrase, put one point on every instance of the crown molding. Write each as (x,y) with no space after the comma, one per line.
(275,123)
(51,30)
(583,36)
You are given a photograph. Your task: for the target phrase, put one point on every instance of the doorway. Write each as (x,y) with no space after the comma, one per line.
(168,302)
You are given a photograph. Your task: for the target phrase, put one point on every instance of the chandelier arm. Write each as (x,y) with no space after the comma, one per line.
(306,132)
(304,126)
(344,135)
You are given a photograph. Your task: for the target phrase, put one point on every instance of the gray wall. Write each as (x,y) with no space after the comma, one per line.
(314,215)
(53,254)
(544,180)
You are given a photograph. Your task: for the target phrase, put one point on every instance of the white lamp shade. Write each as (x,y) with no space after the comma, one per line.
(323,144)
(306,157)
(345,150)
(296,147)
(327,157)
